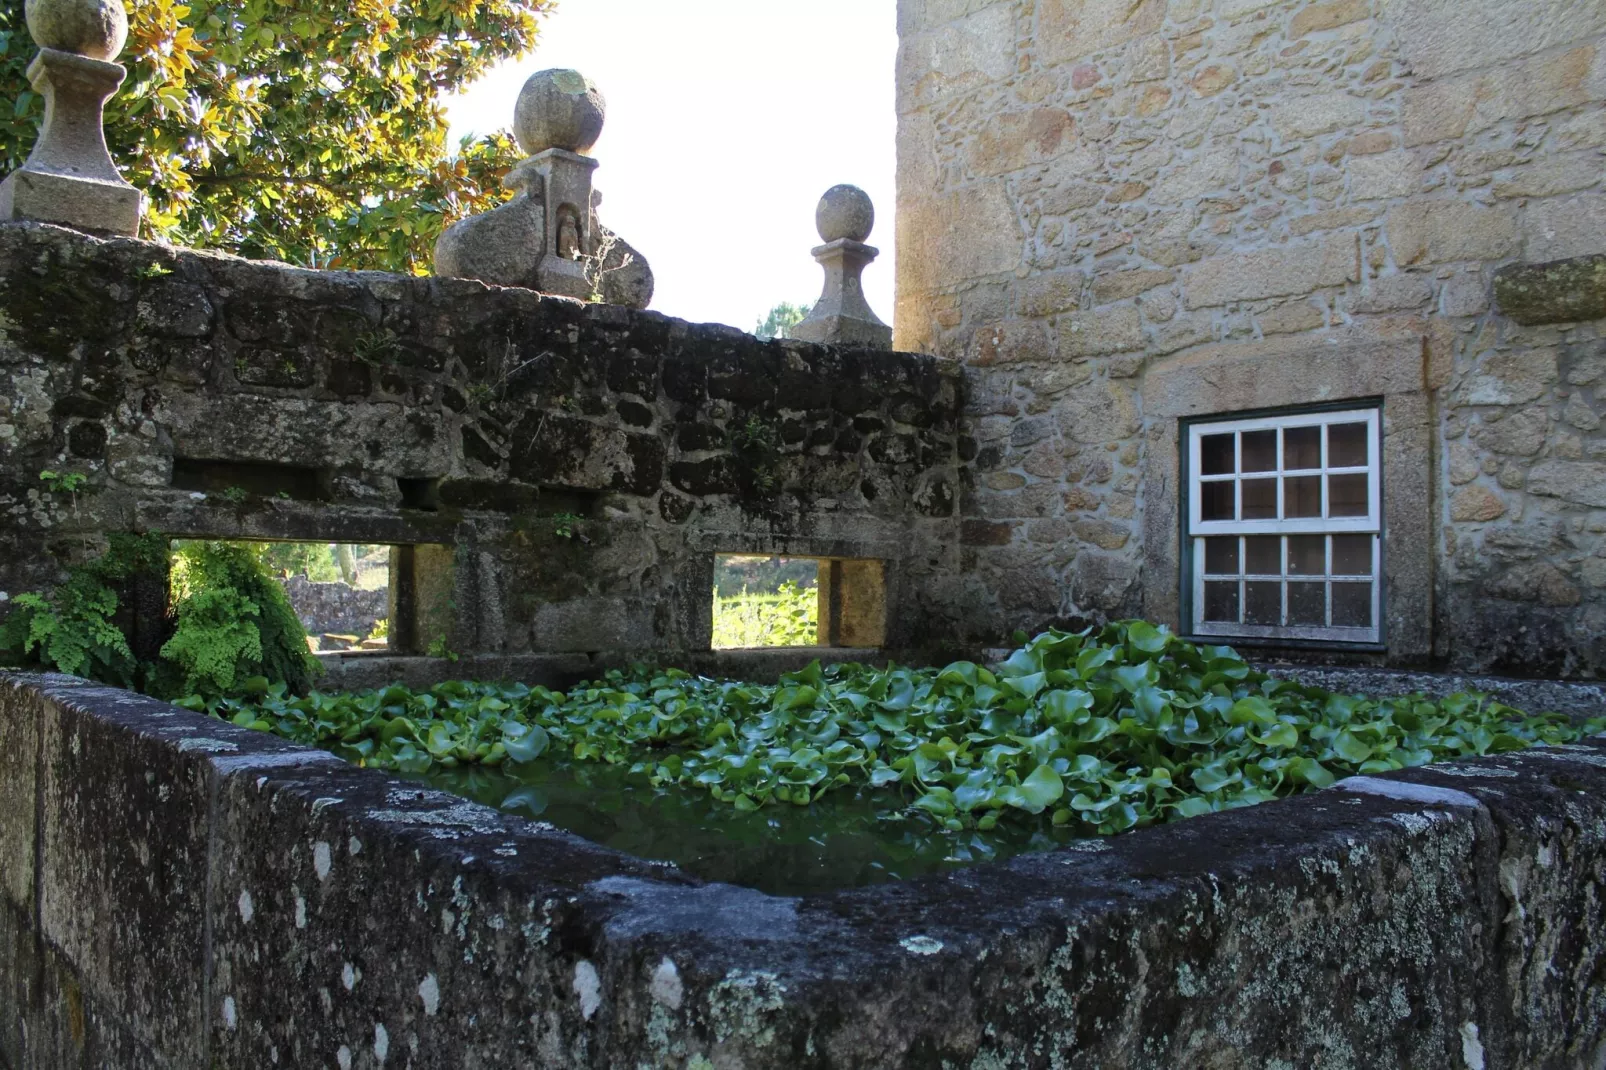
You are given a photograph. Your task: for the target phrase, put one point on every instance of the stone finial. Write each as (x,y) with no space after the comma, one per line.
(548,238)
(842,316)
(70,178)
(559,110)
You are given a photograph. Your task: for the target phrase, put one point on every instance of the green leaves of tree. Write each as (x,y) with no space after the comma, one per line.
(300,130)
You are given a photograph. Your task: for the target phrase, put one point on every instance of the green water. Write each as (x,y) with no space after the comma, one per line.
(843,841)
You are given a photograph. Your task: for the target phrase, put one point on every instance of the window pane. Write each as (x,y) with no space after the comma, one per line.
(1307,555)
(1352,605)
(1302,448)
(1221,555)
(1215,500)
(1260,499)
(1221,602)
(1352,555)
(1302,496)
(1260,451)
(1264,554)
(1307,604)
(1347,446)
(1347,496)
(1263,603)
(1215,455)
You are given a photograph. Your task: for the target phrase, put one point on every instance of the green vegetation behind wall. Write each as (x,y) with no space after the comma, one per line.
(228,627)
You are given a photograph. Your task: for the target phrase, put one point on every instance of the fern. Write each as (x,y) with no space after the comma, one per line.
(215,640)
(280,652)
(74,635)
(231,622)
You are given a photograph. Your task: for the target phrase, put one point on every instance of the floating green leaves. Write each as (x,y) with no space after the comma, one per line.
(1101,731)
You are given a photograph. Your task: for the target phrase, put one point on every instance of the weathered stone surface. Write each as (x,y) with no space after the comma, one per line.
(845,218)
(1476,505)
(1438,232)
(1512,378)
(1439,37)
(1273,272)
(94,28)
(1563,291)
(473,925)
(1562,228)
(1317,176)
(1100,332)
(1583,482)
(436,413)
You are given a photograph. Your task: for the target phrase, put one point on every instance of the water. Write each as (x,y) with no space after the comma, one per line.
(843,841)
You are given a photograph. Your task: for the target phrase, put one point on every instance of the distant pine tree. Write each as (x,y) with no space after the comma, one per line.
(782,318)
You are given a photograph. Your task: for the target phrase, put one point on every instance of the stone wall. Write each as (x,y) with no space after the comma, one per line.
(1096,193)
(179,891)
(336,608)
(559,477)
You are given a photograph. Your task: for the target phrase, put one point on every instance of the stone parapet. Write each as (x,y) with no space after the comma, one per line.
(182,891)
(579,465)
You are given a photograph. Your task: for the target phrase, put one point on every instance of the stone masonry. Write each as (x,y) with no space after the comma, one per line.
(1105,205)
(557,477)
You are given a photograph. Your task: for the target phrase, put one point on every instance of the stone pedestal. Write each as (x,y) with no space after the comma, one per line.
(845,218)
(69,178)
(562,180)
(842,316)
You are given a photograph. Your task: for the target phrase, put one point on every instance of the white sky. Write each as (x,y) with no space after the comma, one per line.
(726,121)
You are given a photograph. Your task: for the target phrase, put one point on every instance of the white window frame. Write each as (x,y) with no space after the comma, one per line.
(1200,529)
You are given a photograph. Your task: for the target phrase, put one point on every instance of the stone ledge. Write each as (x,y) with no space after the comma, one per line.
(1562,291)
(351,911)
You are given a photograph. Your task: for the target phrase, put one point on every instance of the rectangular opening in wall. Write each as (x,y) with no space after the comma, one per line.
(353,599)
(777,601)
(341,593)
(1284,526)
(244,479)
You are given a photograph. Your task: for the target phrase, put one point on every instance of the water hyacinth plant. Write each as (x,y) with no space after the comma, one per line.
(1102,731)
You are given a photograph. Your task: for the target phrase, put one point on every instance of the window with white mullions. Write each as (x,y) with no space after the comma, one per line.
(1285,525)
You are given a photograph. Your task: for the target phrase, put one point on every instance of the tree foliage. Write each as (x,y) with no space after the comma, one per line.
(297,130)
(782,318)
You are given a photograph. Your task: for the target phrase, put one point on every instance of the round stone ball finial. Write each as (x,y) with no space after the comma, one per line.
(845,212)
(94,28)
(558,109)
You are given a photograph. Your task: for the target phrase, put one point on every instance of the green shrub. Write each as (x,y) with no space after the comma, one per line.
(788,618)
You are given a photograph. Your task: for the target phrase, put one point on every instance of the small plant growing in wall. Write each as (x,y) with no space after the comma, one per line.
(756,446)
(565,525)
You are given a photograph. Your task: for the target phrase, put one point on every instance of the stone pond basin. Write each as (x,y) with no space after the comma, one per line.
(178,891)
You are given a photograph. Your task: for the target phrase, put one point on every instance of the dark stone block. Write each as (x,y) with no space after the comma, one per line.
(894,449)
(647,458)
(477,448)
(694,438)
(350,378)
(986,533)
(701,478)
(634,413)
(633,372)
(173,308)
(87,440)
(675,509)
